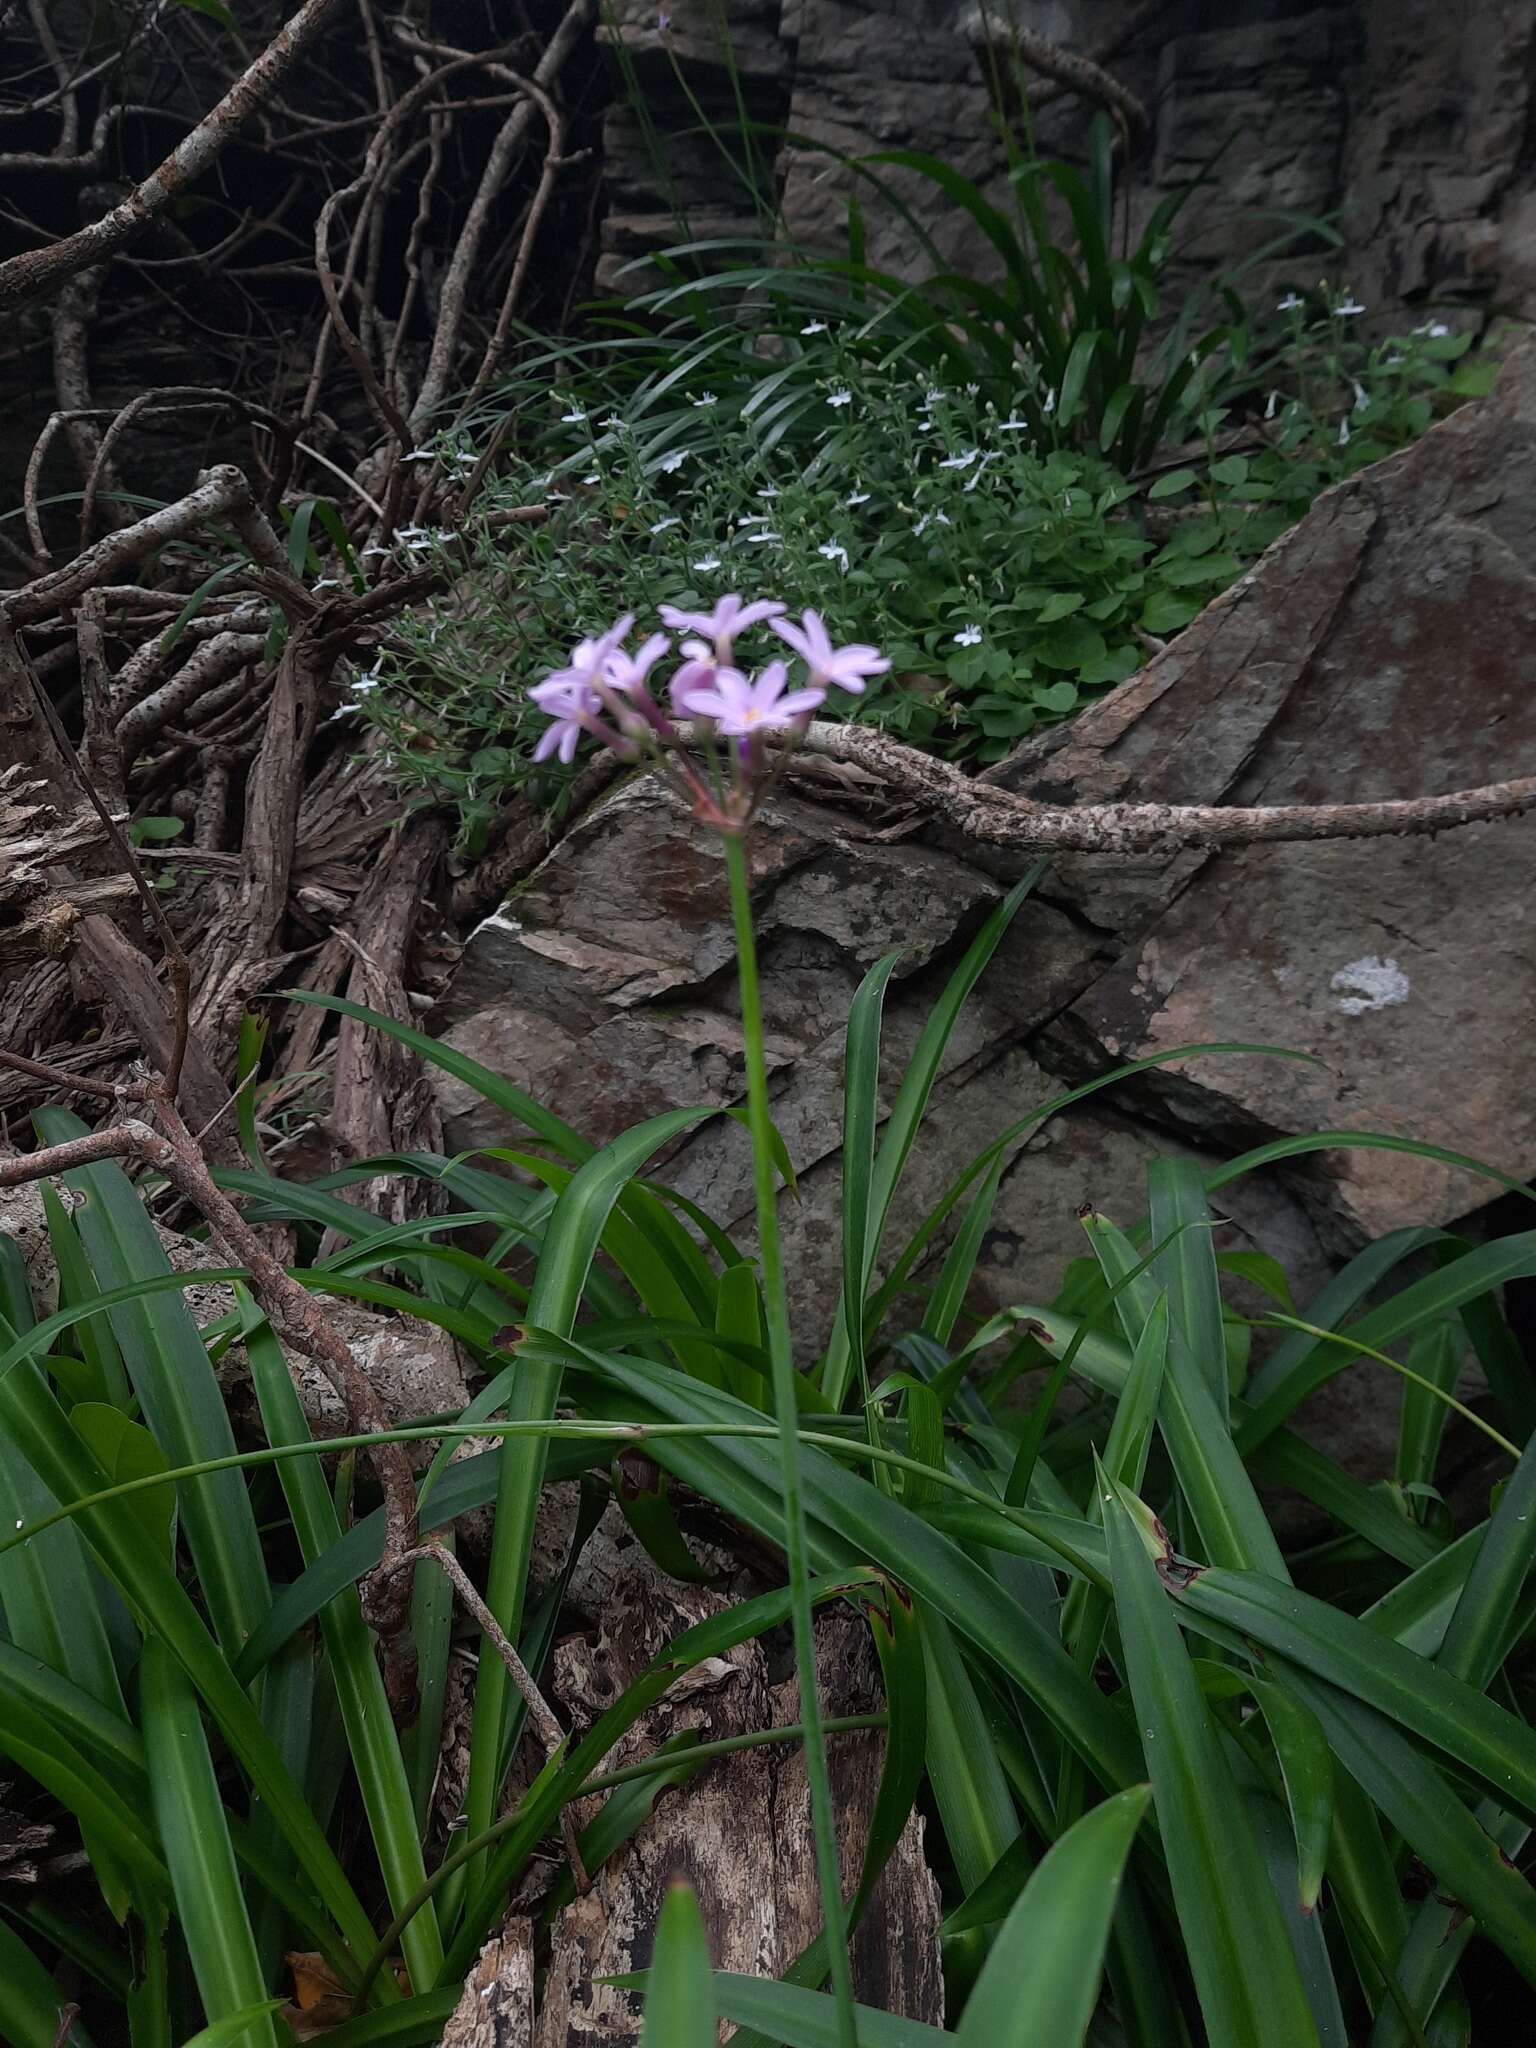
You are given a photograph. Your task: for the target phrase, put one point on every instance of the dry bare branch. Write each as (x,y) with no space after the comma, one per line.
(998,817)
(36,271)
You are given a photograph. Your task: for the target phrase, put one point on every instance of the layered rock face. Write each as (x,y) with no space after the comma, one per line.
(1405,123)
(1382,648)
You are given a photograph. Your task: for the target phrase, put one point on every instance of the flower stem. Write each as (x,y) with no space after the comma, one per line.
(781,1358)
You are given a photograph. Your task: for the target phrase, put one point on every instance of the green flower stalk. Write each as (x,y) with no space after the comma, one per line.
(718,762)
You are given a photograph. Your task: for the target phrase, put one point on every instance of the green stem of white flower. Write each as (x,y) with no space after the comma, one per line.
(781,1358)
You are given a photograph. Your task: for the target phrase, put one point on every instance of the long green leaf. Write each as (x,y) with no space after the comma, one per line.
(911,1103)
(1469,1730)
(679,1996)
(209,1902)
(970,1789)
(1041,1981)
(861,1110)
(1306,1767)
(1234,1933)
(1284,1383)
(570,1243)
(31,2003)
(1429,1816)
(1221,1496)
(176,1386)
(1185,1263)
(808,2019)
(365,1709)
(31,1415)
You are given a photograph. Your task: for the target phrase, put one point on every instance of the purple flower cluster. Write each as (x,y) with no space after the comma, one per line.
(604,692)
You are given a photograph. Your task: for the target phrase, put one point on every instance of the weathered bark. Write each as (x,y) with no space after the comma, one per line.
(739,1832)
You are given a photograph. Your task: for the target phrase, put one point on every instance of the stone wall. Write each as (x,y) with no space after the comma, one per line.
(1410,123)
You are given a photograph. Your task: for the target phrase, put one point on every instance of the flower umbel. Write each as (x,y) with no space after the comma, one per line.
(719,760)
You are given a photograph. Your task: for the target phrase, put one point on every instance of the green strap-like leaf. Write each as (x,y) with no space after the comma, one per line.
(679,1995)
(1234,1934)
(210,1905)
(1041,1981)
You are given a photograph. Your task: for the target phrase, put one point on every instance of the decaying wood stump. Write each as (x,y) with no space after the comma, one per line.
(739,1832)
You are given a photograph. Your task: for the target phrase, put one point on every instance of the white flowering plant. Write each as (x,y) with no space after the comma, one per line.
(1008,577)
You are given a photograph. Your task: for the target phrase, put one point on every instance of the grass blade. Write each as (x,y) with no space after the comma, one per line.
(861,1110)
(31,2004)
(808,2019)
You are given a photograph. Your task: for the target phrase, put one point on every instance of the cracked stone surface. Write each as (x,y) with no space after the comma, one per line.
(1380,649)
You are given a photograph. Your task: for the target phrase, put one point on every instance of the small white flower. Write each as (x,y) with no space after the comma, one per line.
(326,583)
(705,563)
(1362,396)
(592,477)
(574,418)
(973,391)
(705,398)
(838,398)
(1013,425)
(1344,431)
(757,539)
(857,498)
(673,461)
(925,426)
(981,469)
(960,461)
(1273,406)
(1435,329)
(1347,308)
(666,525)
(834,551)
(930,519)
(1291,303)
(971,637)
(753,519)
(769,491)
(931,399)
(613,421)
(814,327)
(1050,404)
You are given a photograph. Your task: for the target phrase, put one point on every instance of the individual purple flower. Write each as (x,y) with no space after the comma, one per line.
(701,669)
(742,708)
(589,659)
(846,668)
(625,671)
(573,709)
(729,617)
